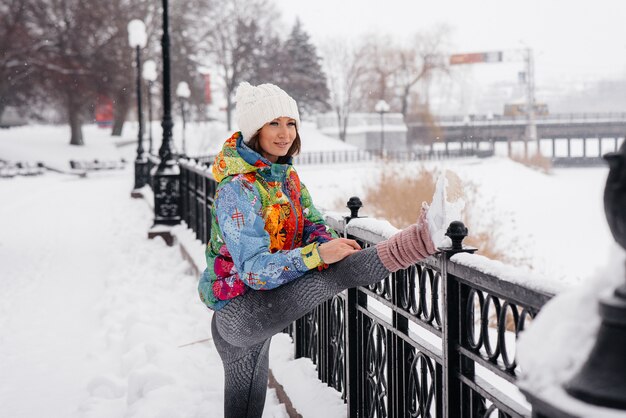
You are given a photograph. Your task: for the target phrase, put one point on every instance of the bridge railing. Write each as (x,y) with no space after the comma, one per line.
(580,116)
(437,339)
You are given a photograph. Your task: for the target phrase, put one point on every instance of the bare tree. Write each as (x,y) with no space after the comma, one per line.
(187,27)
(382,66)
(419,61)
(61,65)
(17,45)
(118,81)
(69,52)
(395,72)
(115,65)
(85,53)
(236,31)
(345,66)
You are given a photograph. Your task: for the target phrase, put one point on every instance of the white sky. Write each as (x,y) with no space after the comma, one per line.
(572,40)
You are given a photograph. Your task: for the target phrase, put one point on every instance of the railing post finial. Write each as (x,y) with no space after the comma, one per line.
(457,231)
(354,204)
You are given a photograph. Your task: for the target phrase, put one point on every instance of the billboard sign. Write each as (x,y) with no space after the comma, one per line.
(475,58)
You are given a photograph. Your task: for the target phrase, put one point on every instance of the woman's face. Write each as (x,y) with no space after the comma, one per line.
(276,137)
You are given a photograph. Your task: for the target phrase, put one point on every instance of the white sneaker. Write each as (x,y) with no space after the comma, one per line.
(442,211)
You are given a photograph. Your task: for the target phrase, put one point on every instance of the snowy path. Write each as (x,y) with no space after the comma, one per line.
(92,314)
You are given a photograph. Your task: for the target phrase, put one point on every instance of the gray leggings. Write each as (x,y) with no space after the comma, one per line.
(242,330)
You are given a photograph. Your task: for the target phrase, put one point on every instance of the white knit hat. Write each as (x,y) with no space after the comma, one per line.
(257,105)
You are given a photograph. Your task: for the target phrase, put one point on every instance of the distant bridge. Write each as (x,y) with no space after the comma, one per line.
(478,128)
(571,139)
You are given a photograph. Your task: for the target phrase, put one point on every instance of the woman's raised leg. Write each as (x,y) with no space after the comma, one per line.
(256,316)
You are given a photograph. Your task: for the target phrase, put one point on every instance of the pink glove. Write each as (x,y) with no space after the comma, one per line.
(408,246)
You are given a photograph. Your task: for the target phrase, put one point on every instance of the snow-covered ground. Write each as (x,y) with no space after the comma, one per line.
(98,321)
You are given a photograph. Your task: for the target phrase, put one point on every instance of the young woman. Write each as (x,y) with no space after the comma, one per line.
(271,259)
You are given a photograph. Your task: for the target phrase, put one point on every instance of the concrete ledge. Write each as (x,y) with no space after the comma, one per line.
(282,396)
(167,236)
(193,267)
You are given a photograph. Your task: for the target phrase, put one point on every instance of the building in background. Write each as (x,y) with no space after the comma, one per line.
(366,132)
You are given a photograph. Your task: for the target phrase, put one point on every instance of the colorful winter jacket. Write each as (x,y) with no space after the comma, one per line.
(264,228)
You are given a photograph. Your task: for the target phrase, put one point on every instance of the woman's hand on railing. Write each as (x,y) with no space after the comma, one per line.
(337,249)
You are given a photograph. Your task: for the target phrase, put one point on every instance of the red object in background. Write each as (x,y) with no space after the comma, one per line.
(104,112)
(207,89)
(494,56)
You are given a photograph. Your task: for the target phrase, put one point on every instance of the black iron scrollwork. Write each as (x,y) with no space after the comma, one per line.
(492,328)
(420,292)
(311,336)
(376,378)
(337,345)
(421,390)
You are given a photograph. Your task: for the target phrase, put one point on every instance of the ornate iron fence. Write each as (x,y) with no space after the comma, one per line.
(434,340)
(411,345)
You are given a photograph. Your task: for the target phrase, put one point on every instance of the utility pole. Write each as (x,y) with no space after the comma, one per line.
(525,55)
(531,128)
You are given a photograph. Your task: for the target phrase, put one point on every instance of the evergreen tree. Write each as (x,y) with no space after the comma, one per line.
(300,74)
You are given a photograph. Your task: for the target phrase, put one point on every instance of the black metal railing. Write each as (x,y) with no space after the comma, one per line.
(197,194)
(428,341)
(411,345)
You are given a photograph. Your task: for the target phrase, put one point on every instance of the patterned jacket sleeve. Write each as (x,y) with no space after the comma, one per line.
(238,210)
(315,229)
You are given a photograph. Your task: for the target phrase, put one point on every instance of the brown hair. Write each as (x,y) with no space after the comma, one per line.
(255,144)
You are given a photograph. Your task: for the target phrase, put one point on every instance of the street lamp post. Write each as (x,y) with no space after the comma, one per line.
(150,75)
(466,124)
(137,39)
(490,134)
(530,97)
(382,107)
(165,177)
(183,93)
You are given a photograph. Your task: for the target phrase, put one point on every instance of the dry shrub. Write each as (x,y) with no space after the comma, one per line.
(535,161)
(397,197)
